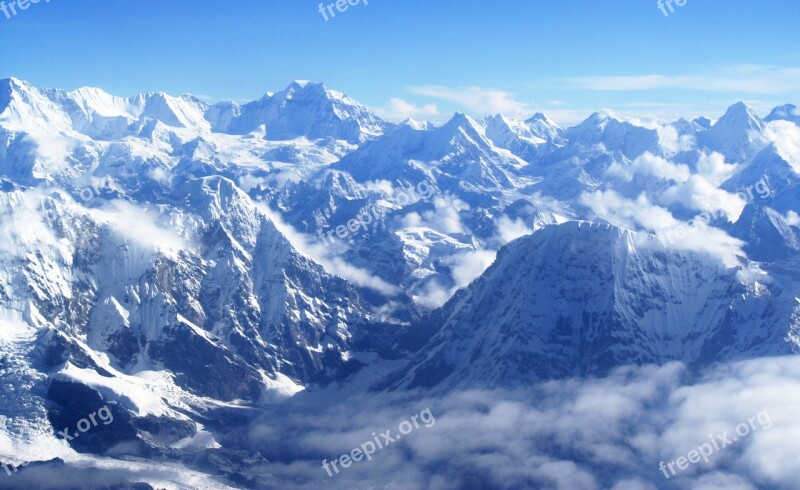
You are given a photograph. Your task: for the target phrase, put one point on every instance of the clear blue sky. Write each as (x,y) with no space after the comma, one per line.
(565,57)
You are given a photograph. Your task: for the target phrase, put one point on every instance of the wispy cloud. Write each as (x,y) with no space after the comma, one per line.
(479,101)
(745,79)
(397,110)
(326,257)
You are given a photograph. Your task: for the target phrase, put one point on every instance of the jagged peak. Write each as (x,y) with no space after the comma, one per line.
(462,123)
(703,122)
(499,118)
(600,118)
(15,83)
(11,85)
(221,190)
(305,87)
(598,121)
(541,117)
(461,119)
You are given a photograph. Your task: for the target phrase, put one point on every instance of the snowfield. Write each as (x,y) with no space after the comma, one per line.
(575,305)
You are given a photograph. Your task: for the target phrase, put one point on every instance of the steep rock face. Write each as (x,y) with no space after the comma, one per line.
(529,139)
(174,315)
(580,299)
(768,235)
(235,298)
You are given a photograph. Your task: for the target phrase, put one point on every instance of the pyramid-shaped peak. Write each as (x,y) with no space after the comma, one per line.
(460,119)
(741,112)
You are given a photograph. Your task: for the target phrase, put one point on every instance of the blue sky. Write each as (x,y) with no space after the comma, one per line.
(423,58)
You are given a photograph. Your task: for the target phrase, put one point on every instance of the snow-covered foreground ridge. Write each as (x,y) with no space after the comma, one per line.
(168,259)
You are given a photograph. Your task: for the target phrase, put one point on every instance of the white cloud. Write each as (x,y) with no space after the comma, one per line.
(398,110)
(629,214)
(444,218)
(641,214)
(468,266)
(714,169)
(649,164)
(465,267)
(792,218)
(144,227)
(785,136)
(509,230)
(24,223)
(248,182)
(607,432)
(699,194)
(433,294)
(479,101)
(326,256)
(380,186)
(283,177)
(161,175)
(671,141)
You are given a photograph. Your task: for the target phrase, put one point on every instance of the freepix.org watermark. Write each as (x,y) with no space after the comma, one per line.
(401,197)
(83,425)
(329,11)
(88,423)
(379,441)
(10,468)
(679,232)
(663,5)
(10,9)
(717,443)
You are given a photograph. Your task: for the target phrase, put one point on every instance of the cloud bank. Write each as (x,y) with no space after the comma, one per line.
(611,432)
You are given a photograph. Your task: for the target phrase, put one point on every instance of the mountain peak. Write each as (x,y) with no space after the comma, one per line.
(740,114)
(786,112)
(599,119)
(731,134)
(415,125)
(703,122)
(306,87)
(460,119)
(302,83)
(12,84)
(541,117)
(465,123)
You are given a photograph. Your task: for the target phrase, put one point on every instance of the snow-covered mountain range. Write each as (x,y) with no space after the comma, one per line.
(191,264)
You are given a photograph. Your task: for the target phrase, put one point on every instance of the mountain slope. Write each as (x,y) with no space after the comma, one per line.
(735,132)
(578,299)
